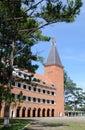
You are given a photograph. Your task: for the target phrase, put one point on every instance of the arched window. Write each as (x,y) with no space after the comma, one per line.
(23,112)
(43,113)
(48,112)
(29,112)
(34,112)
(39,110)
(18,112)
(52,113)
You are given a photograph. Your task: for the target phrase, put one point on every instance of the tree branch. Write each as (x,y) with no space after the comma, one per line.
(33,6)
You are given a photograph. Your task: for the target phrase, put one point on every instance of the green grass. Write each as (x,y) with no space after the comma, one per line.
(66,126)
(18,124)
(75,126)
(15,124)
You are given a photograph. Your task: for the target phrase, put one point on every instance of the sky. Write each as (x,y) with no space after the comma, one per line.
(70,43)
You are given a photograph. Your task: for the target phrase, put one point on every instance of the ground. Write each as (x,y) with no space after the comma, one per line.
(57,123)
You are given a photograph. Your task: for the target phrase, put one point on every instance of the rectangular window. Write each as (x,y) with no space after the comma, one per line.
(19,85)
(52,102)
(48,101)
(39,90)
(13,83)
(29,87)
(52,93)
(34,89)
(34,99)
(24,86)
(43,100)
(48,92)
(43,91)
(24,98)
(29,98)
(39,100)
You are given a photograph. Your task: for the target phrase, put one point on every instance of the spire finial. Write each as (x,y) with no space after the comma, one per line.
(53,41)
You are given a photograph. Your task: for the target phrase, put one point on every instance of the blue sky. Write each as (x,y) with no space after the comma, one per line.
(70,43)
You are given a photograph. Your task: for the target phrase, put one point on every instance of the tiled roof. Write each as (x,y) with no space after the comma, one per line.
(37,78)
(53,57)
(44,79)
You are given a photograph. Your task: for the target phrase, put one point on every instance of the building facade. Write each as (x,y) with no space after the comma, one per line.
(44,98)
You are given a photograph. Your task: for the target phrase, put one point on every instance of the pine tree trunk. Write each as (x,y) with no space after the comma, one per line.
(7,104)
(6,114)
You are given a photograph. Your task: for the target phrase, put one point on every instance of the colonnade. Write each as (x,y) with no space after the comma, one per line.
(35,112)
(74,113)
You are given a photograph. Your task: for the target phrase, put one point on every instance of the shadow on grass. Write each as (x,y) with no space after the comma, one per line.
(15,124)
(39,126)
(54,124)
(18,124)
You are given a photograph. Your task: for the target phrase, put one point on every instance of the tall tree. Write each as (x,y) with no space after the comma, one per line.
(74,96)
(20,28)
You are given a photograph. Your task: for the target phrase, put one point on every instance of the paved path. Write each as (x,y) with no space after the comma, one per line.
(39,123)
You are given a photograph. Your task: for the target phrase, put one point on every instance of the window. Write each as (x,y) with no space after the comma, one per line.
(34,89)
(48,101)
(19,85)
(24,86)
(43,82)
(43,100)
(52,102)
(48,92)
(52,85)
(39,100)
(29,87)
(52,93)
(24,97)
(29,98)
(34,99)
(13,83)
(39,90)
(43,91)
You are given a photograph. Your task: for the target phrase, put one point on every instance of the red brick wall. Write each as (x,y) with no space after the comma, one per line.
(56,75)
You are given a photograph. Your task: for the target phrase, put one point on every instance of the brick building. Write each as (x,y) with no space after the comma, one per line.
(44,98)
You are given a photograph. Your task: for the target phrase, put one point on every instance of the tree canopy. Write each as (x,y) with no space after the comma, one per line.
(74,96)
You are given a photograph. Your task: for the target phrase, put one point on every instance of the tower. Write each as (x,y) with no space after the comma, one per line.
(54,71)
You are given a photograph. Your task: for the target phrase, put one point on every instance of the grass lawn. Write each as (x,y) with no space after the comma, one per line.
(15,124)
(65,126)
(18,124)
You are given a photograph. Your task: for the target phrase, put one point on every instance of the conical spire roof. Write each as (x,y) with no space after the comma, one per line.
(53,57)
